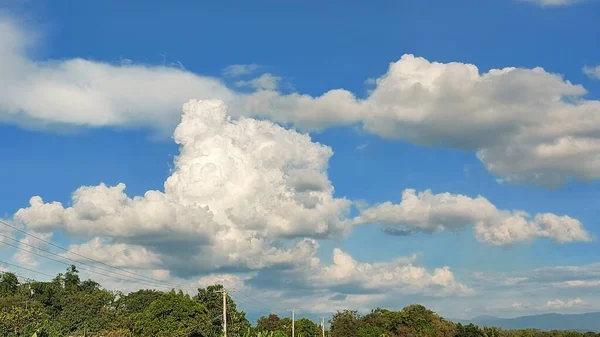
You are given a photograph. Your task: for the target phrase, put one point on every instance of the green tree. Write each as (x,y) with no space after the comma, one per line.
(47,293)
(345,324)
(18,320)
(212,299)
(71,279)
(368,330)
(173,315)
(8,284)
(492,332)
(86,312)
(387,320)
(269,323)
(306,328)
(421,319)
(470,330)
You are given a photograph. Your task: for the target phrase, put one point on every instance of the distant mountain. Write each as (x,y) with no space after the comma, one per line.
(578,322)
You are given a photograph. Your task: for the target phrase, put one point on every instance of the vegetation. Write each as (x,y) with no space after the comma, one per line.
(67,306)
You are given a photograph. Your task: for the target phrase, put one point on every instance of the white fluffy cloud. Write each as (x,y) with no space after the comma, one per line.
(430,213)
(240,190)
(83,92)
(237,186)
(346,276)
(558,304)
(119,255)
(592,72)
(399,276)
(525,125)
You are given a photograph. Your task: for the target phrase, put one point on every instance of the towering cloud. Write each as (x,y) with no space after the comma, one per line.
(238,187)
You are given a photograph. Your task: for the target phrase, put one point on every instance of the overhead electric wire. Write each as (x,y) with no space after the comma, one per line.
(25,268)
(18,276)
(260,306)
(263,304)
(87,258)
(251,300)
(261,310)
(68,264)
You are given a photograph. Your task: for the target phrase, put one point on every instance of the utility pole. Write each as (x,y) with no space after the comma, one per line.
(323,325)
(293,321)
(224,292)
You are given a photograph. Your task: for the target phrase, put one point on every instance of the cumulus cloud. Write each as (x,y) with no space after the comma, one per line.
(558,304)
(118,255)
(592,72)
(347,276)
(525,125)
(237,187)
(88,93)
(245,196)
(426,212)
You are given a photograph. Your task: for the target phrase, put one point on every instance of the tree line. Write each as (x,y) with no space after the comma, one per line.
(68,306)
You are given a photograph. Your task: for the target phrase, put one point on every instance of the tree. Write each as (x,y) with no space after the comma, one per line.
(89,286)
(8,284)
(285,326)
(173,314)
(49,294)
(86,312)
(71,279)
(138,301)
(345,324)
(368,330)
(212,299)
(387,320)
(419,318)
(18,320)
(270,323)
(470,330)
(306,328)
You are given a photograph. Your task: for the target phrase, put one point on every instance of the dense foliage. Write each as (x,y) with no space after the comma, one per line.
(67,306)
(417,321)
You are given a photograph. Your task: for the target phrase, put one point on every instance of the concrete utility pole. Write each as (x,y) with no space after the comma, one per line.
(293,321)
(323,325)
(224,292)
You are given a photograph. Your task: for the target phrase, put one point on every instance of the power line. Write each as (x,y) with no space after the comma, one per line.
(128,278)
(252,305)
(85,257)
(25,268)
(265,305)
(250,302)
(68,264)
(17,275)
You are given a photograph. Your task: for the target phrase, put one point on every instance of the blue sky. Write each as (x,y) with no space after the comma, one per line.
(95,91)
